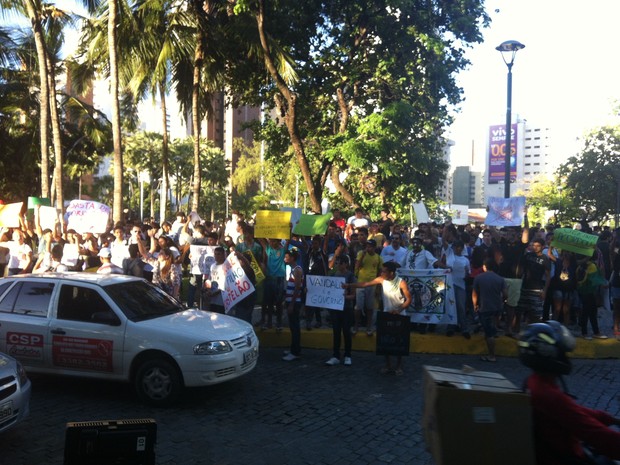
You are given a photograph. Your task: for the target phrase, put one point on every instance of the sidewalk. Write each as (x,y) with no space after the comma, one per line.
(439,343)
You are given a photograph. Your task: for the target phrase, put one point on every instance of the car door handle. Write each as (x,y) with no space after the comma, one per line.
(58,331)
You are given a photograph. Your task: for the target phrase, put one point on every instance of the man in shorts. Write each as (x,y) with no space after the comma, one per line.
(488,296)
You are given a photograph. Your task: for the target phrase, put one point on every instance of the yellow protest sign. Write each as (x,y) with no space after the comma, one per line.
(272,224)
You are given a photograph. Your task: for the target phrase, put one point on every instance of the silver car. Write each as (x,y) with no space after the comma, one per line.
(15,391)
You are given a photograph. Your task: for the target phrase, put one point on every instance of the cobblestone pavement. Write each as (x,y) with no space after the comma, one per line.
(301,412)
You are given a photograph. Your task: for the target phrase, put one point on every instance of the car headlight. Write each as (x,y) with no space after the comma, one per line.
(21,374)
(212,348)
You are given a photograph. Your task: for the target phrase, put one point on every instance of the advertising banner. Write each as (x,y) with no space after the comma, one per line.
(497,153)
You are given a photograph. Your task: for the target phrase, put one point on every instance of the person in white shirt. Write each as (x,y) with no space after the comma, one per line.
(107,267)
(460,270)
(20,254)
(419,258)
(394,252)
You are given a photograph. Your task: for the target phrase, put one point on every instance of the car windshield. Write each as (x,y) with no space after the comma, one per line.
(139,300)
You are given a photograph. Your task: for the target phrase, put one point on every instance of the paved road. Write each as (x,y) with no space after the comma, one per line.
(283,413)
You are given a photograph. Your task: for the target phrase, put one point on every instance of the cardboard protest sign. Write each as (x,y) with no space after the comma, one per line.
(505,212)
(272,224)
(201,258)
(421,215)
(9,214)
(238,286)
(325,292)
(295,214)
(48,216)
(393,334)
(574,241)
(432,293)
(34,201)
(459,214)
(87,216)
(311,225)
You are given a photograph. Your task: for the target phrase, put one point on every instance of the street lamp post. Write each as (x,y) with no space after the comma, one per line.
(508,50)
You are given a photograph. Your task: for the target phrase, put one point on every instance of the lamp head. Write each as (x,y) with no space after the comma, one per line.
(508,50)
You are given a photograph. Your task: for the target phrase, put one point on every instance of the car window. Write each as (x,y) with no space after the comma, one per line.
(139,300)
(28,298)
(4,286)
(79,303)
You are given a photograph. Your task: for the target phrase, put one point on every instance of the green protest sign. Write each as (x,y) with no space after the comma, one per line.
(574,241)
(310,225)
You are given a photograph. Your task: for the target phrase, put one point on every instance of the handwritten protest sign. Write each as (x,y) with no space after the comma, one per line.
(9,214)
(87,216)
(238,286)
(505,212)
(271,224)
(574,241)
(310,225)
(201,258)
(325,292)
(432,294)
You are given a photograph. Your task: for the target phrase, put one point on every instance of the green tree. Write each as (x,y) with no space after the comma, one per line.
(593,176)
(366,88)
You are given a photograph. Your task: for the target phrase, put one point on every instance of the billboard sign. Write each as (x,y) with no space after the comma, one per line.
(497,153)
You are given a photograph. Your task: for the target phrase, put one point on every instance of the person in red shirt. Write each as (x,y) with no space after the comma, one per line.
(561,425)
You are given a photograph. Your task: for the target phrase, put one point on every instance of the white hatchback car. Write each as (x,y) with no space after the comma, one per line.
(120,328)
(15,388)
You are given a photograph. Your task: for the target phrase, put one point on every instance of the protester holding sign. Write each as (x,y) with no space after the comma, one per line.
(396,299)
(293,301)
(343,319)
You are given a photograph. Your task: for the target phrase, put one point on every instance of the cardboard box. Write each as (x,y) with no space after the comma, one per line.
(477,418)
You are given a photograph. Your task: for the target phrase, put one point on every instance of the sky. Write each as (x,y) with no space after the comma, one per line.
(567,77)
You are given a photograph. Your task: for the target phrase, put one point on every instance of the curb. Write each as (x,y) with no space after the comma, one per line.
(435,344)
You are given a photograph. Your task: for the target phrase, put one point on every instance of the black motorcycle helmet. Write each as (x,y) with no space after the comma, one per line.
(543,347)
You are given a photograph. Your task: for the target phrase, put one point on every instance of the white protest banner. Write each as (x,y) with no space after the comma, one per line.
(87,216)
(201,258)
(238,286)
(48,216)
(505,212)
(459,214)
(432,296)
(325,292)
(421,215)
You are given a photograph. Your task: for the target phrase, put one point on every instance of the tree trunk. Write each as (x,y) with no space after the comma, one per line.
(165,158)
(37,31)
(117,207)
(198,58)
(346,195)
(290,113)
(55,119)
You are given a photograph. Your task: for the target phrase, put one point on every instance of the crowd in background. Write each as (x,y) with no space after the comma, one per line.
(541,282)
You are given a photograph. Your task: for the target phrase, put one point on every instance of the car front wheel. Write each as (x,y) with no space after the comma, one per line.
(158,382)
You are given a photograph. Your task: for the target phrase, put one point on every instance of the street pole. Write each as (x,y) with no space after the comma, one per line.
(508,147)
(508,50)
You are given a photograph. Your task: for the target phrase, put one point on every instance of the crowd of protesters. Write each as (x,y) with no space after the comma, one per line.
(503,277)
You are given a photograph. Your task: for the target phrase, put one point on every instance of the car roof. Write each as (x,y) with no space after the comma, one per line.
(93,278)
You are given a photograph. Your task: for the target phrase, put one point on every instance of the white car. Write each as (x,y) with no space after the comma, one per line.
(122,328)
(15,388)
